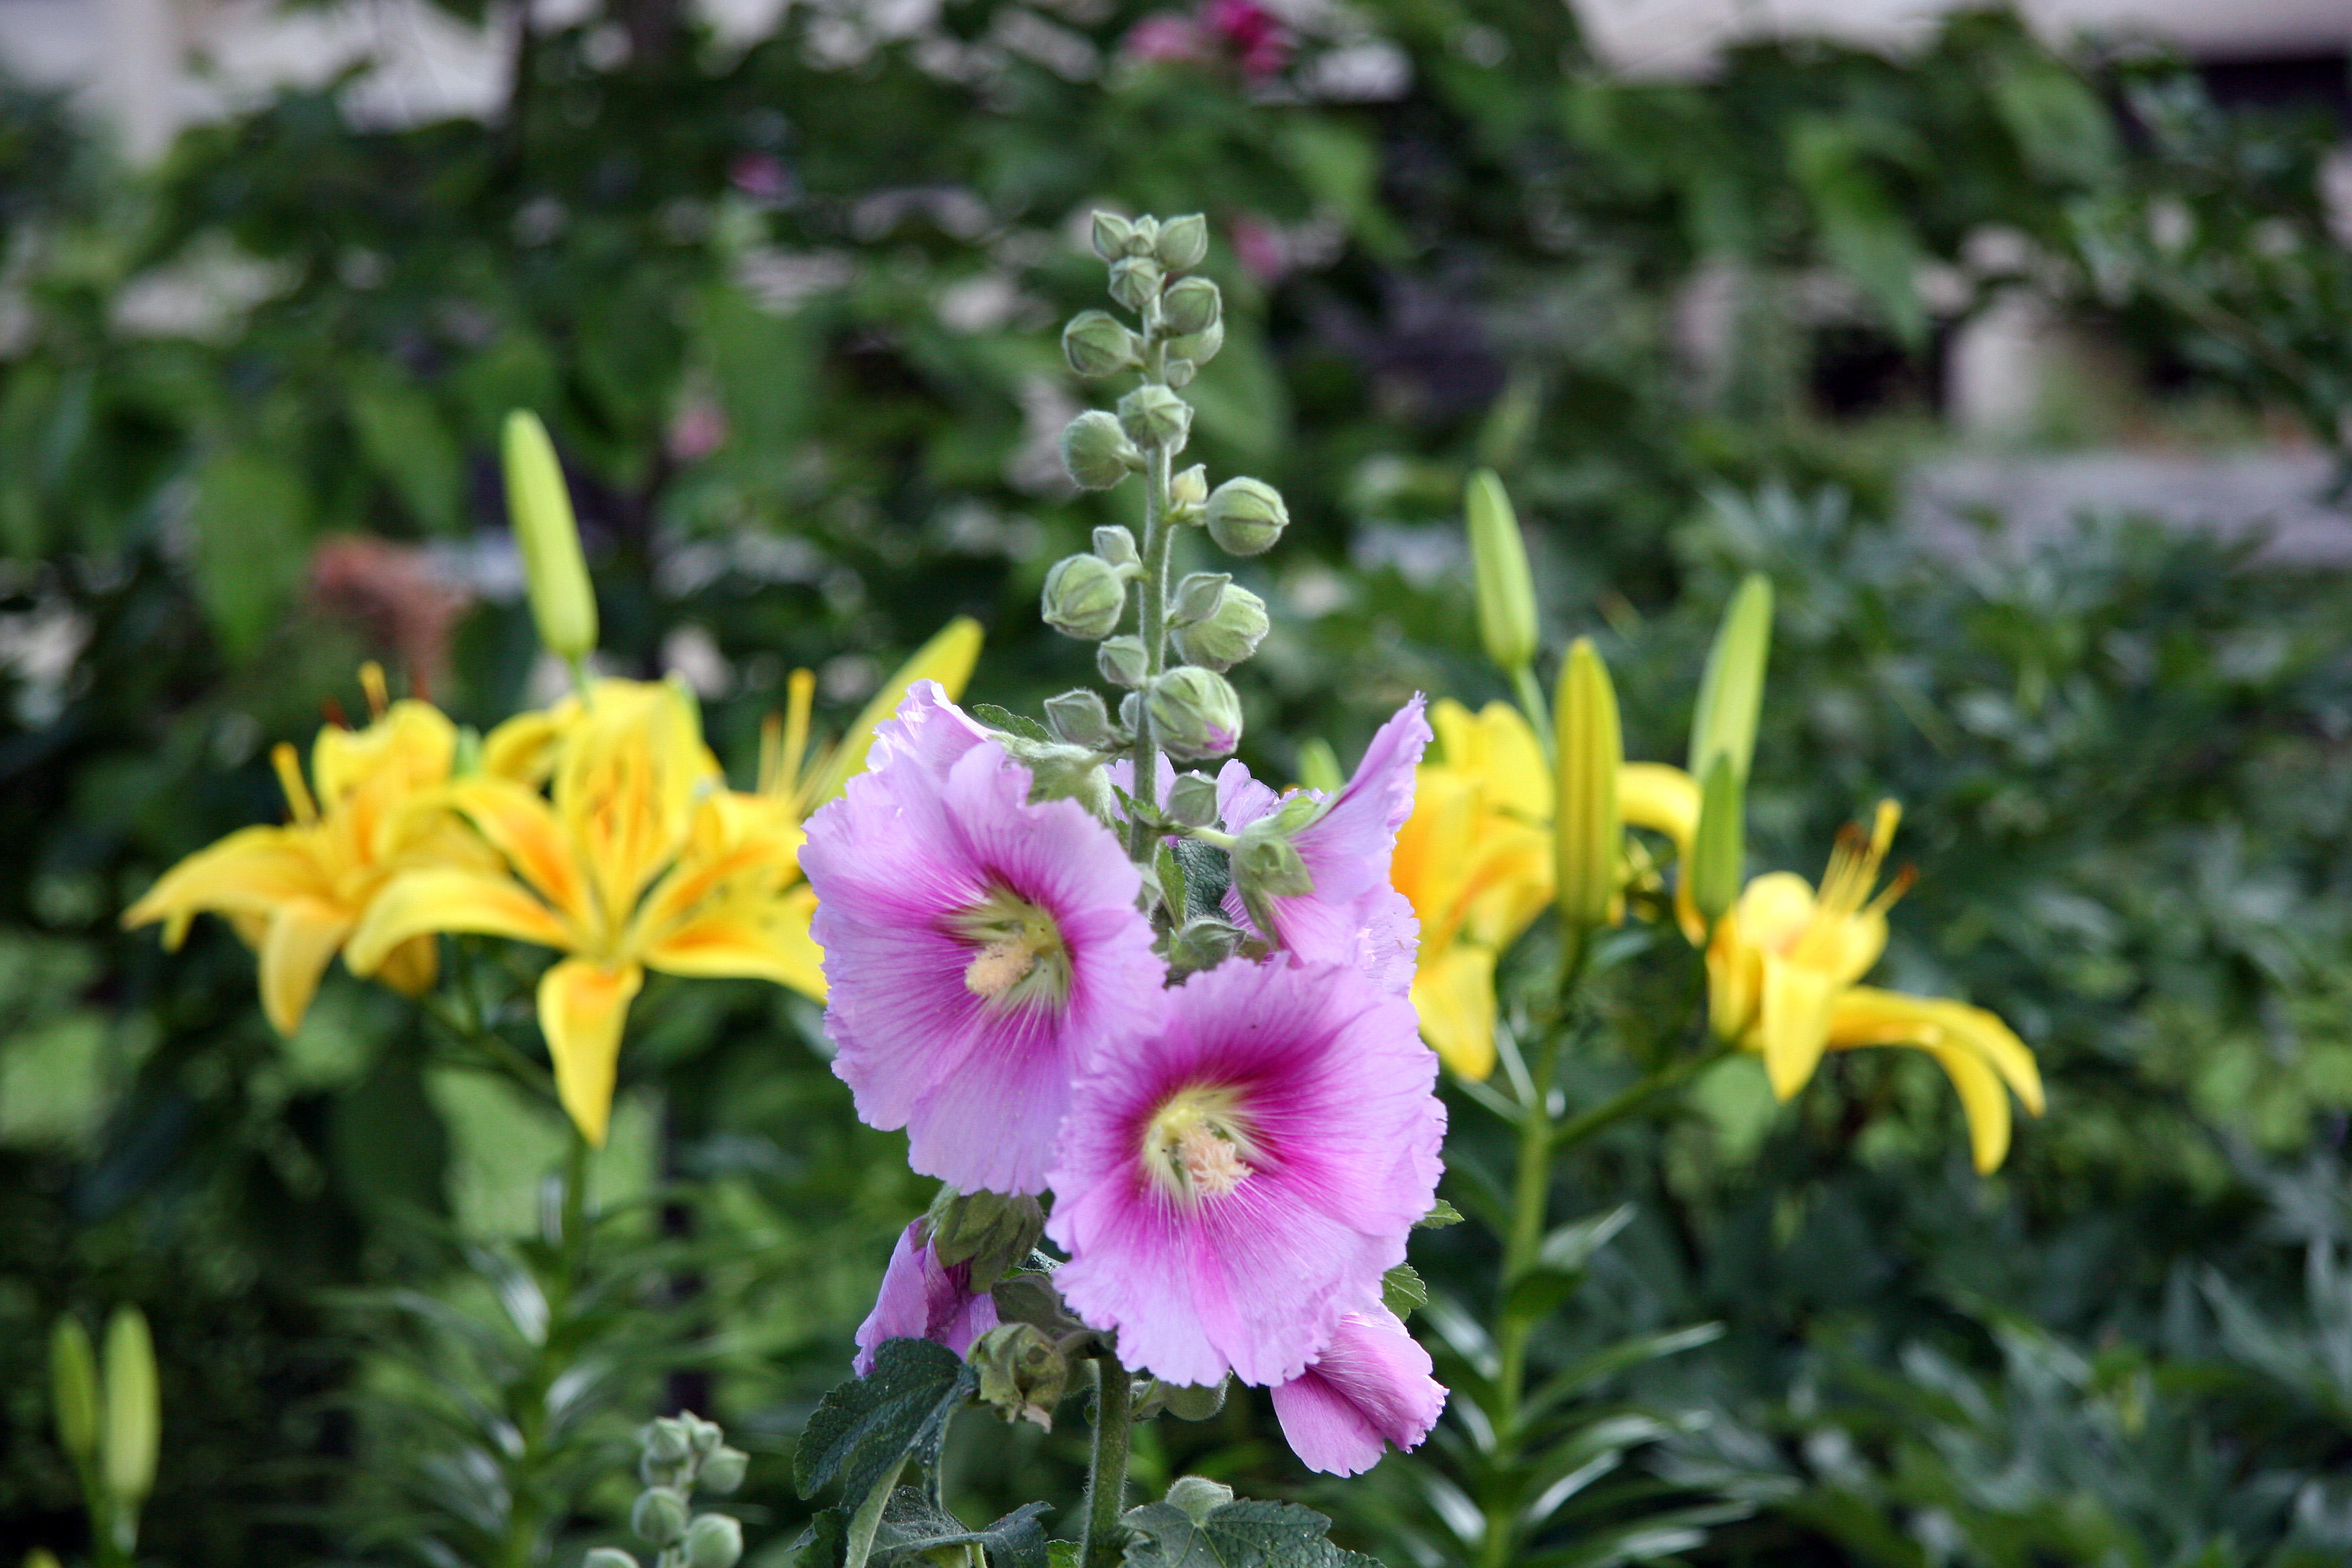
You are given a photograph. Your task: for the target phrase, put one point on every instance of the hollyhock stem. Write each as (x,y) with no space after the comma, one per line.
(1151,597)
(1105,1544)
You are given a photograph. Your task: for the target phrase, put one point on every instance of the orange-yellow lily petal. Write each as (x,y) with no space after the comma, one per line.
(582,1006)
(302,941)
(1453,993)
(447,898)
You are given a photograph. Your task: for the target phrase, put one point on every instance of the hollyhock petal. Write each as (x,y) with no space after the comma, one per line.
(1240,799)
(971,1041)
(928,731)
(1229,1185)
(922,1300)
(1368,1389)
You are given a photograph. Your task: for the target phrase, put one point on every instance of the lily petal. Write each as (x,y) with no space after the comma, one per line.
(412,967)
(417,902)
(762,939)
(302,937)
(1868,1017)
(582,1006)
(251,871)
(520,825)
(1454,993)
(1793,1023)
(1983,1099)
(947,658)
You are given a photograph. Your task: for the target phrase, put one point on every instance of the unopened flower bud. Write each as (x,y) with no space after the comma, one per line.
(1192,800)
(994,1232)
(1197,597)
(1195,714)
(1265,867)
(1200,1497)
(1130,707)
(1135,281)
(1096,344)
(1191,305)
(716,1540)
(1246,516)
(73,1389)
(1143,237)
(1116,545)
(607,1557)
(667,1440)
(1180,372)
(134,1416)
(1022,1375)
(1227,636)
(1190,488)
(723,1471)
(1095,451)
(1155,416)
(1121,662)
(1080,718)
(562,602)
(1498,559)
(1109,234)
(1085,597)
(1061,772)
(1183,242)
(1199,347)
(1589,833)
(659,1517)
(1204,943)
(705,1435)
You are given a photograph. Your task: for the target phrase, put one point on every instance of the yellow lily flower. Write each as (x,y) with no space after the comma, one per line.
(295,893)
(1474,860)
(1782,974)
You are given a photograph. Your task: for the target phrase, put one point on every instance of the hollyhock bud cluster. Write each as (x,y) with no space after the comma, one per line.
(1172,1007)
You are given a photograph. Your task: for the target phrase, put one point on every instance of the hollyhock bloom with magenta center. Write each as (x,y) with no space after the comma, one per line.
(1351,915)
(1368,1389)
(1232,1184)
(978,947)
(920,1299)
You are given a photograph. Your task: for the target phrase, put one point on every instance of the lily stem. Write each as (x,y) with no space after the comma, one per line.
(1103,1545)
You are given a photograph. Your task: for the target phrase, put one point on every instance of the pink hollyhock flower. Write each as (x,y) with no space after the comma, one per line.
(1260,248)
(1232,1184)
(1163,38)
(1353,915)
(1257,38)
(922,1300)
(977,948)
(1367,1389)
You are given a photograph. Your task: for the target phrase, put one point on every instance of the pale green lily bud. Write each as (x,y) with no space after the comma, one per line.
(1228,635)
(134,1416)
(723,1471)
(1084,597)
(1109,233)
(1507,589)
(73,1387)
(1192,800)
(1135,281)
(714,1540)
(1731,693)
(1022,1374)
(1195,714)
(1196,598)
(1200,1497)
(607,1557)
(1588,833)
(1183,242)
(1245,516)
(1155,416)
(1097,453)
(1116,545)
(659,1517)
(1189,488)
(1121,661)
(994,1232)
(562,602)
(1198,347)
(1720,846)
(1191,305)
(1096,344)
(1080,718)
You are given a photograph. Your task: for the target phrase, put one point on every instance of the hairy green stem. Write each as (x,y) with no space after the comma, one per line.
(1151,604)
(1103,1545)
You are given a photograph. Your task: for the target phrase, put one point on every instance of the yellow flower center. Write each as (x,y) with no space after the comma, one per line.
(1845,896)
(1197,1145)
(1017,955)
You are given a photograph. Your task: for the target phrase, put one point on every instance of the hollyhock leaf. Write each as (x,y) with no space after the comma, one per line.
(1012,724)
(1403,1291)
(911,1524)
(1208,872)
(1441,1215)
(1243,1534)
(866,1428)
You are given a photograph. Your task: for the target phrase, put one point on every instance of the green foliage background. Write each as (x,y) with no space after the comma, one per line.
(2123,755)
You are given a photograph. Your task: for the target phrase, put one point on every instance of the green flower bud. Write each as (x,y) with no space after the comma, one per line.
(667,1440)
(73,1387)
(1135,281)
(1084,597)
(1191,305)
(134,1409)
(1109,234)
(539,508)
(1197,597)
(705,1435)
(1589,833)
(1080,718)
(1116,545)
(994,1232)
(1198,347)
(1097,453)
(659,1516)
(1227,636)
(1498,559)
(1720,847)
(1245,516)
(1731,693)
(1190,488)
(715,1541)
(1191,1402)
(1096,344)
(1143,237)
(1192,800)
(1130,707)
(1180,372)
(1121,662)
(1183,242)
(1155,416)
(1059,772)
(723,1471)
(1195,714)
(1022,1374)
(607,1557)
(1199,1497)
(1204,943)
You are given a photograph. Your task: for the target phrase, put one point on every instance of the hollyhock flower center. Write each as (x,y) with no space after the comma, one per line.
(1195,1144)
(1018,955)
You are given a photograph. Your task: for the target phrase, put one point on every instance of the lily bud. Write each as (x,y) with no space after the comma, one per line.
(659,1517)
(1183,242)
(1192,800)
(1084,597)
(994,1232)
(1245,516)
(134,1409)
(73,1387)
(1155,416)
(1731,693)
(1198,347)
(1109,233)
(1095,453)
(1190,488)
(1080,718)
(1135,281)
(1587,831)
(1507,590)
(1116,545)
(1197,597)
(1195,714)
(1022,1374)
(1096,344)
(714,1540)
(1227,636)
(1191,305)
(1121,661)
(562,602)
(1720,847)
(723,1471)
